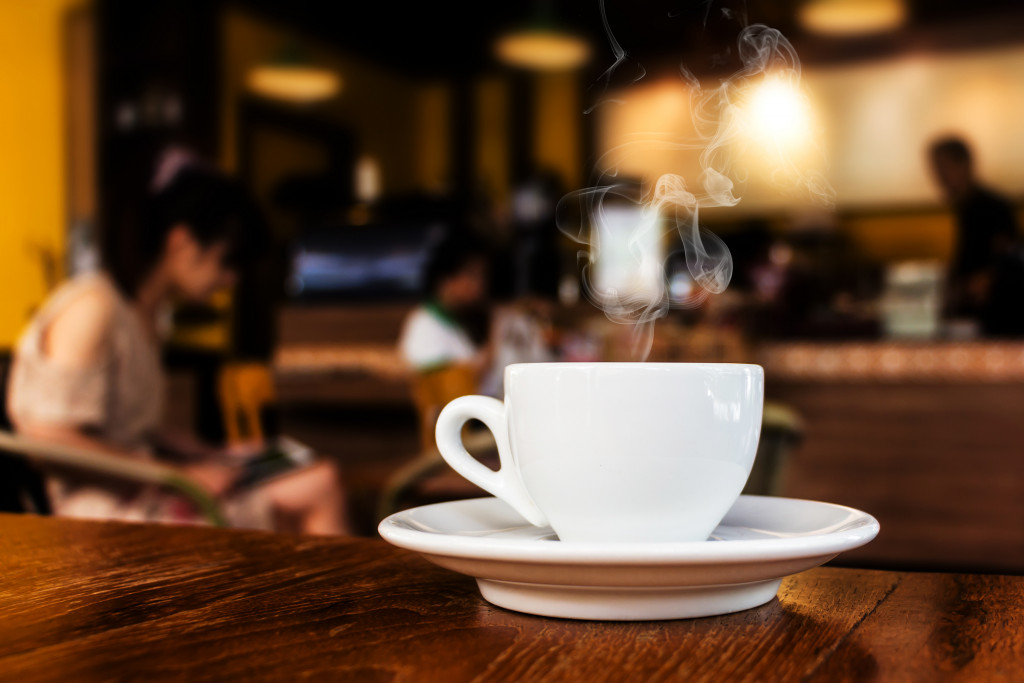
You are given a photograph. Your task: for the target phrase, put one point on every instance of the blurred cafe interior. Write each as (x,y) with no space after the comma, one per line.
(410,159)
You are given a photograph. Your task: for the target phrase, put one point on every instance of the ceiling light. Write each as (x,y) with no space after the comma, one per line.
(294,83)
(852,17)
(543,49)
(292,78)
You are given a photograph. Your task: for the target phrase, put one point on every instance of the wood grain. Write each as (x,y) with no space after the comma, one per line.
(90,601)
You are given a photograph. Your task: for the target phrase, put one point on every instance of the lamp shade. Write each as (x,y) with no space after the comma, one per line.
(293,83)
(852,17)
(293,78)
(542,49)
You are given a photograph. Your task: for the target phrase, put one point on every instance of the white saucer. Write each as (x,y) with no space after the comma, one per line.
(525,568)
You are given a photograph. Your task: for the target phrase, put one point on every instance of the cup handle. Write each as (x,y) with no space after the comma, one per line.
(504,483)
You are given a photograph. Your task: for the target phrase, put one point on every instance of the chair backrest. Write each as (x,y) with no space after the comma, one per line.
(433,390)
(781,432)
(22,488)
(247,396)
(5,366)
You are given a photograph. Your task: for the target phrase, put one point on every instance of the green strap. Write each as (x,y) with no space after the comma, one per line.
(207,505)
(436,310)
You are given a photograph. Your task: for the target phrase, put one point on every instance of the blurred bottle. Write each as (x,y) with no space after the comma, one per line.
(911,304)
(83,254)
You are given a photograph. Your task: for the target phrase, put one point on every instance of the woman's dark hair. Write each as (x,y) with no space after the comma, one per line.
(212,206)
(449,257)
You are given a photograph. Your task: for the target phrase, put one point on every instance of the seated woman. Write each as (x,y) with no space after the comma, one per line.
(87,371)
(436,342)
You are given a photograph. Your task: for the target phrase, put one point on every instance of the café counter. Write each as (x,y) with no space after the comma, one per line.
(928,437)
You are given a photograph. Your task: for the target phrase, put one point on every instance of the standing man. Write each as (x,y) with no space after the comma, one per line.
(985,265)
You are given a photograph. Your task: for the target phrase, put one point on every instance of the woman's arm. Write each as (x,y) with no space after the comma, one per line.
(215,477)
(183,447)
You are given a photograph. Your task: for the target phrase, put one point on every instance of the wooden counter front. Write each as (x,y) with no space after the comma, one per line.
(928,438)
(944,362)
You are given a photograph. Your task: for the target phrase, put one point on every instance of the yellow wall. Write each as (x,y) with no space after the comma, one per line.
(492,126)
(377,105)
(902,236)
(558,117)
(885,235)
(33,164)
(433,105)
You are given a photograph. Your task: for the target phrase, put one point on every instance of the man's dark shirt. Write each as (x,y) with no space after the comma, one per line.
(987,242)
(984,220)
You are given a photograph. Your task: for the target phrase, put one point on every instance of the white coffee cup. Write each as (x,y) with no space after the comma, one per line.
(612,452)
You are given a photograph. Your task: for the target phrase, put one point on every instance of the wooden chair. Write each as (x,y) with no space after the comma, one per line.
(781,432)
(431,392)
(22,488)
(247,398)
(45,453)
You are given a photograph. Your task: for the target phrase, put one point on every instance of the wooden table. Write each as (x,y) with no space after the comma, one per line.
(84,601)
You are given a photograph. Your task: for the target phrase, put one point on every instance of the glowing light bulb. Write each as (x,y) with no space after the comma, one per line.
(779,115)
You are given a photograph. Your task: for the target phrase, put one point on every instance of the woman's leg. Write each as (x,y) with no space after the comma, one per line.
(314,498)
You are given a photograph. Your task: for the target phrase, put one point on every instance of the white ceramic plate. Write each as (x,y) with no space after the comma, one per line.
(525,568)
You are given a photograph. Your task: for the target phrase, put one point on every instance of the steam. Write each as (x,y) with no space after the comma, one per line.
(620,59)
(731,148)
